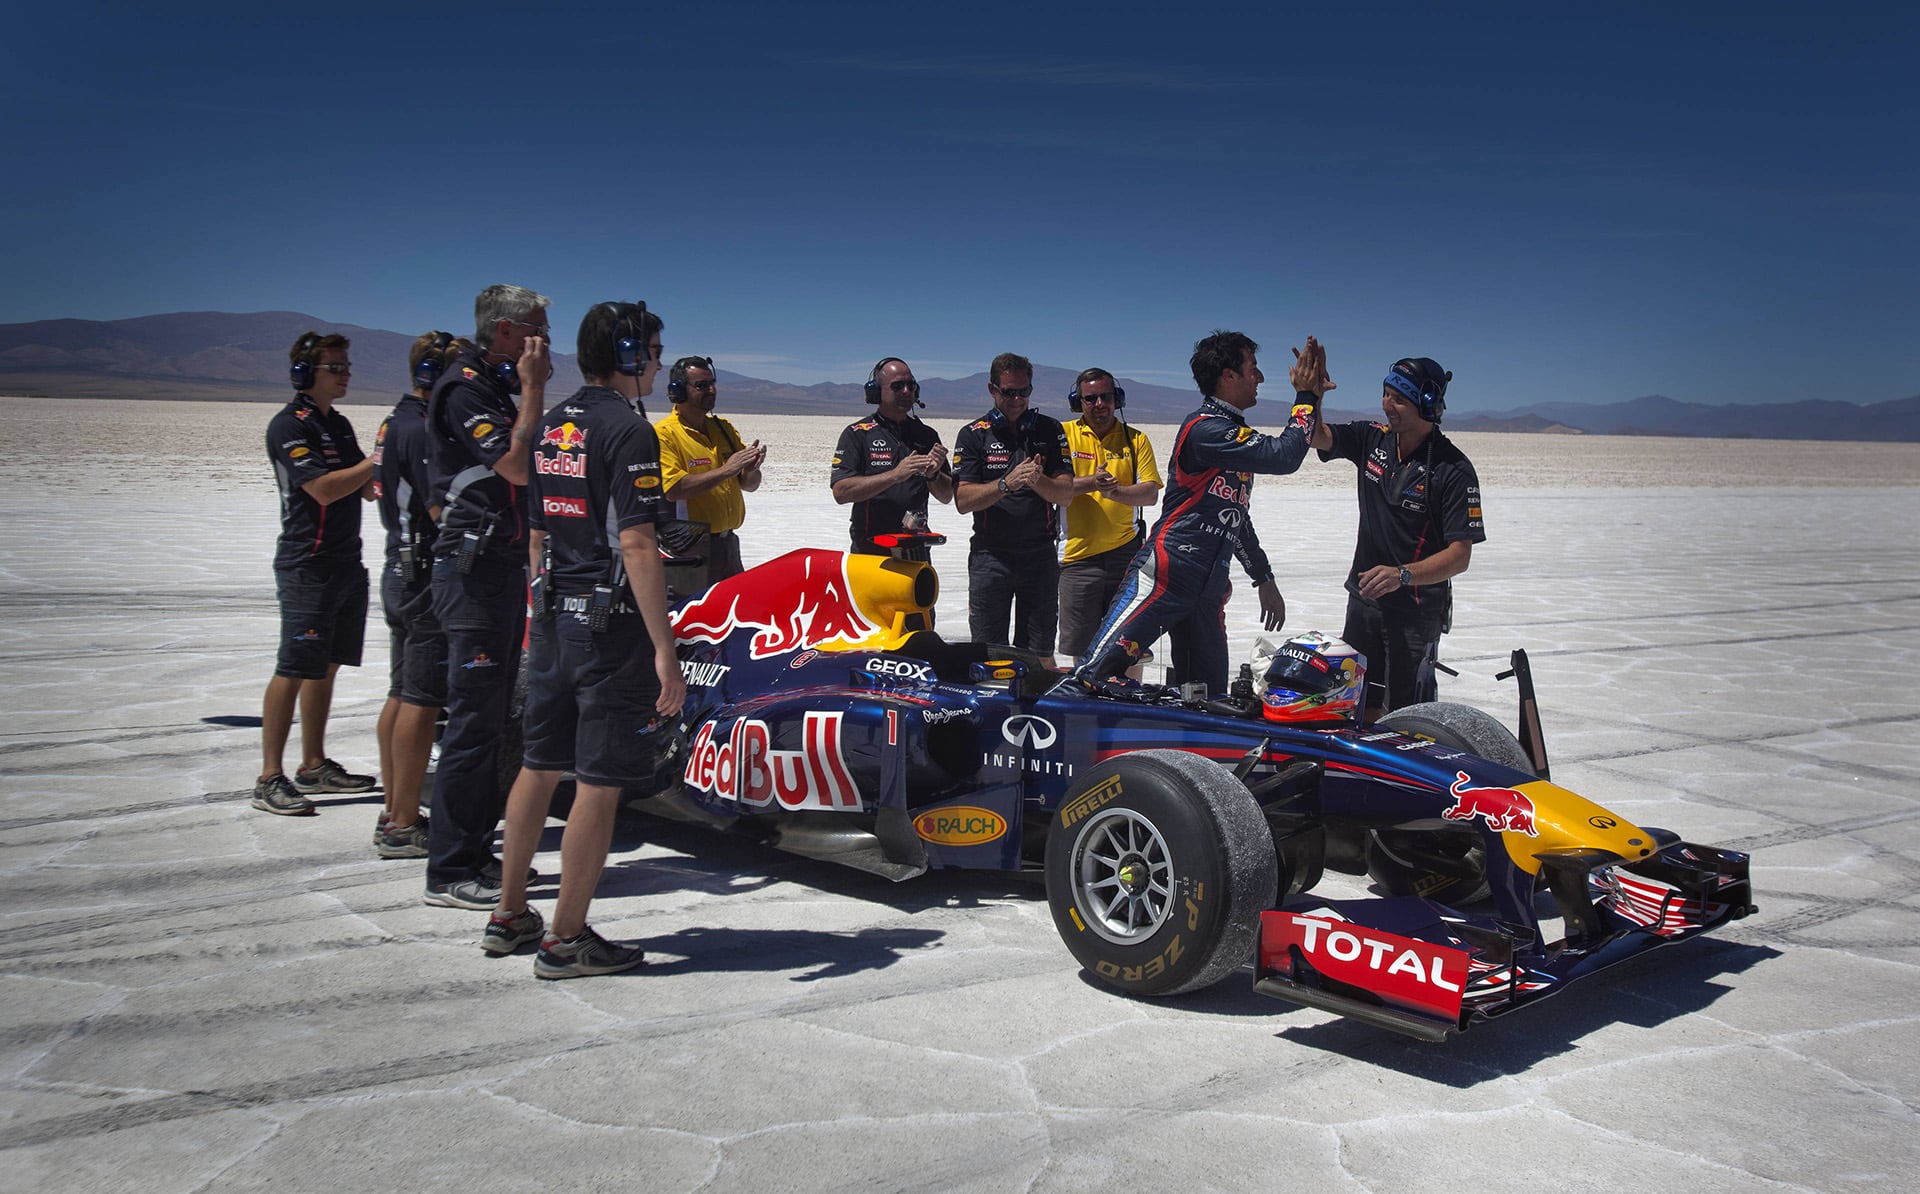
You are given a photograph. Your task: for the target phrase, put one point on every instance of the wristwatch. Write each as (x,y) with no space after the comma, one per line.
(1406,578)
(1003,486)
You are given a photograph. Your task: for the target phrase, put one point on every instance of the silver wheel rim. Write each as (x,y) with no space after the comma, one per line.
(1122,877)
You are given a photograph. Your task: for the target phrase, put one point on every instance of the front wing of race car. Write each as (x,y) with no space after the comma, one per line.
(1421,968)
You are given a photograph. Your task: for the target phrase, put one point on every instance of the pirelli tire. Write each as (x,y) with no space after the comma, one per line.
(1157,871)
(1448,867)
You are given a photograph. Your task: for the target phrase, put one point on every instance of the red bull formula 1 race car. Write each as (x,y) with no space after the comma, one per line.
(1180,835)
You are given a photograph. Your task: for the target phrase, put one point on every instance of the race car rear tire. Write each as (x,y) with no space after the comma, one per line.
(1447,867)
(1157,871)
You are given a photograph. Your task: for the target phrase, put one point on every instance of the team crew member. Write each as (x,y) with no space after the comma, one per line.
(603,686)
(707,470)
(417,661)
(1010,470)
(479,438)
(887,465)
(322,587)
(1114,475)
(1179,582)
(1419,519)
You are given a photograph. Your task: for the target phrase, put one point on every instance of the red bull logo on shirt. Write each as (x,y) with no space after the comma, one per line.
(565,437)
(1504,809)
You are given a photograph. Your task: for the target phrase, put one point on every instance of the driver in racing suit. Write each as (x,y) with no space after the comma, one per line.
(1179,580)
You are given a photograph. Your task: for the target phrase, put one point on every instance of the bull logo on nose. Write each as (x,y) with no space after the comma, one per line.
(1504,809)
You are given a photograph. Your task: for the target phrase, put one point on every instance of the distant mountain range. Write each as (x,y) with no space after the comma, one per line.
(216,355)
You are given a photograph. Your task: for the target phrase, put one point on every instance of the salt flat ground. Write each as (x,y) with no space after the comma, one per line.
(194,995)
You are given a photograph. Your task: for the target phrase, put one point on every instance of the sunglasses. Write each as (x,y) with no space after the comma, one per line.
(908,386)
(1008,392)
(538,329)
(337,368)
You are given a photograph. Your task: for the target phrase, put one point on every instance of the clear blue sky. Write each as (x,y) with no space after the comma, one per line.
(1716,202)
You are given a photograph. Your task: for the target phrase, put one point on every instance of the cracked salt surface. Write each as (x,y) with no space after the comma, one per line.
(199,996)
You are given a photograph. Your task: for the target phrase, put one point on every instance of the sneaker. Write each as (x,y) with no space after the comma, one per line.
(490,871)
(477,895)
(276,795)
(405,842)
(589,953)
(330,776)
(507,933)
(385,822)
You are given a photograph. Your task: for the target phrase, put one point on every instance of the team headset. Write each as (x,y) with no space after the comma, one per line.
(1119,396)
(677,378)
(1421,381)
(873,383)
(631,352)
(433,364)
(305,349)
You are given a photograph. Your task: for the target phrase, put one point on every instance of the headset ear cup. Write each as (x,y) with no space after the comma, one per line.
(1119,397)
(1073,399)
(301,371)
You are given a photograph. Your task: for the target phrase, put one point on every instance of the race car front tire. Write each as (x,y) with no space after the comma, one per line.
(1157,871)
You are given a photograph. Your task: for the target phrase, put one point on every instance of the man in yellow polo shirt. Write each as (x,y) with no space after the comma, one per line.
(1113,476)
(706,469)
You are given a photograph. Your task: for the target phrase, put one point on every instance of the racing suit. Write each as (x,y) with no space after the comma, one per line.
(1179,581)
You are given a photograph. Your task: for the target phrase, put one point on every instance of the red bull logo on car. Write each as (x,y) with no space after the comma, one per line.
(802,599)
(746,767)
(1504,809)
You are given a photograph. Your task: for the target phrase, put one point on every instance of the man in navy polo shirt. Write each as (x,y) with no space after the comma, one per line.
(886,466)
(603,681)
(481,420)
(417,660)
(322,587)
(1419,519)
(1010,471)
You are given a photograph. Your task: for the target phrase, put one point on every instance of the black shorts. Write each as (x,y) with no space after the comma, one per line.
(417,660)
(1087,587)
(590,701)
(323,618)
(1401,650)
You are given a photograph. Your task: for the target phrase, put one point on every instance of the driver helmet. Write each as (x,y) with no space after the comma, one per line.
(1309,678)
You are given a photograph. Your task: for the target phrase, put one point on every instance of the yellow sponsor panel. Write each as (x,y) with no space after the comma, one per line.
(960,825)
